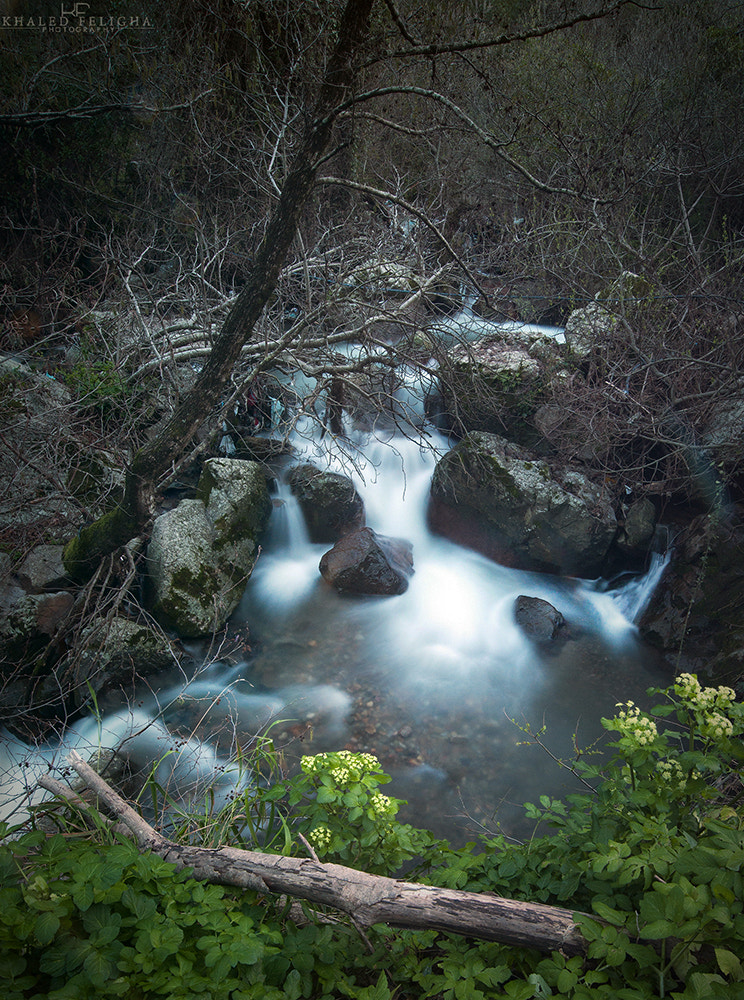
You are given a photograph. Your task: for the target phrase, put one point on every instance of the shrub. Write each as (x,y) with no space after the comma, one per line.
(650,856)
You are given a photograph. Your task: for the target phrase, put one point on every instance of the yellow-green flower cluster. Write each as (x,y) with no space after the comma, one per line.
(381,806)
(689,689)
(709,704)
(320,838)
(630,723)
(344,766)
(716,726)
(671,773)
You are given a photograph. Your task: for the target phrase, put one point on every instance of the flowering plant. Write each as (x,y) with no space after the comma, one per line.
(339,809)
(682,761)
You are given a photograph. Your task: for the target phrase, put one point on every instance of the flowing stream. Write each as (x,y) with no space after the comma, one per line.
(440,683)
(431,680)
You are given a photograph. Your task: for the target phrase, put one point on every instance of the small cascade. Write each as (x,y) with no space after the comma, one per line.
(634,596)
(429,680)
(289,575)
(469,326)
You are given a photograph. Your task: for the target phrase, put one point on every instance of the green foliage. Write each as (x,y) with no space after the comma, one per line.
(650,858)
(345,818)
(98,382)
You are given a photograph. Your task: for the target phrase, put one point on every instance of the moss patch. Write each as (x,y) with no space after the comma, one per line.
(83,553)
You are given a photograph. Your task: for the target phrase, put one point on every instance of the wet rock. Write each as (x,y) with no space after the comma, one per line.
(696,615)
(329,502)
(364,562)
(488,494)
(537,618)
(637,531)
(237,502)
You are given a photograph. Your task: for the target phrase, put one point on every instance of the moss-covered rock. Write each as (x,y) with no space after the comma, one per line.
(83,553)
(490,495)
(237,502)
(588,328)
(497,385)
(115,656)
(202,553)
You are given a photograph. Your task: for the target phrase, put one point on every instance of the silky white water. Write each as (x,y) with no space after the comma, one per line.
(436,674)
(429,680)
(437,681)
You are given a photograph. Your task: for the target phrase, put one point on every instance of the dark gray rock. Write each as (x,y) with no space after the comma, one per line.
(537,618)
(488,494)
(329,502)
(42,569)
(364,562)
(637,531)
(696,615)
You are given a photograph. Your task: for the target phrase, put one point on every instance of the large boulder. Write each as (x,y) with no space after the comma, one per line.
(629,297)
(203,551)
(496,385)
(364,562)
(588,328)
(117,654)
(36,420)
(329,502)
(637,528)
(43,570)
(487,494)
(237,502)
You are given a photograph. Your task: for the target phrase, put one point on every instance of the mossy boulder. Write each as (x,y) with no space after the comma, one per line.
(202,552)
(494,497)
(117,654)
(496,385)
(237,502)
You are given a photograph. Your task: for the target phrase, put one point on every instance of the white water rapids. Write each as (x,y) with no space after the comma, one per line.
(428,680)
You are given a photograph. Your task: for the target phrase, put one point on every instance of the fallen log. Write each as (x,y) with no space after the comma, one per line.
(368,899)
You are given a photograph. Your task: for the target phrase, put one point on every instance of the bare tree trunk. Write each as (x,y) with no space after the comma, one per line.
(153,462)
(368,899)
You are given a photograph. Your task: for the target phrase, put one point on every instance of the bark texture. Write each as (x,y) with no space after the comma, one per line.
(369,899)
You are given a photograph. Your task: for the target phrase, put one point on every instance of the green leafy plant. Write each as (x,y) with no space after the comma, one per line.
(650,857)
(338,807)
(98,382)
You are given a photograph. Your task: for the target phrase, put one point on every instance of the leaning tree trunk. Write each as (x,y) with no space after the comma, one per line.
(154,461)
(368,899)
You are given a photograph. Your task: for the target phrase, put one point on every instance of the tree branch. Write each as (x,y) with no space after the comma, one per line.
(508,38)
